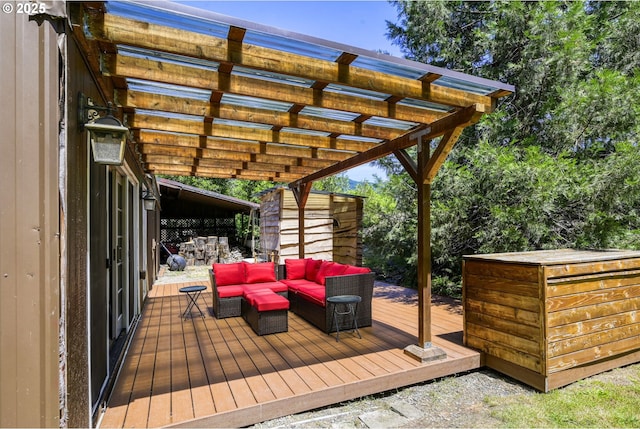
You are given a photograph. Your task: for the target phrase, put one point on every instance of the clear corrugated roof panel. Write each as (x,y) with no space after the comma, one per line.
(424,104)
(390,123)
(241,124)
(290,45)
(134,52)
(377,65)
(257,103)
(160,16)
(218,26)
(356,92)
(168,89)
(360,139)
(465,85)
(329,113)
(305,132)
(272,77)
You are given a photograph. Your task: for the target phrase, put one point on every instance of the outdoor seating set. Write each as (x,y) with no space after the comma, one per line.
(263,294)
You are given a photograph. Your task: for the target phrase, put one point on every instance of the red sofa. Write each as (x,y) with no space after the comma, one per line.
(307,283)
(231,282)
(311,282)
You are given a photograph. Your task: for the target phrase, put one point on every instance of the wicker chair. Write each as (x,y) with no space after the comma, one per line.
(224,307)
(228,307)
(351,284)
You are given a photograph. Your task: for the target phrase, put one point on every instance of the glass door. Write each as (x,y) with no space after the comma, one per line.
(118,243)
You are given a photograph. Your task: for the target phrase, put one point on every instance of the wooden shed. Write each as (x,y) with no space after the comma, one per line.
(549,318)
(332,226)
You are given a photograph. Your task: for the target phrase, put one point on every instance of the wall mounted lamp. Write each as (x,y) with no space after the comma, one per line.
(148,200)
(108,135)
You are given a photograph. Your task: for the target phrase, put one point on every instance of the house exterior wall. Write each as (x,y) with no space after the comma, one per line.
(93,341)
(30,230)
(55,364)
(78,287)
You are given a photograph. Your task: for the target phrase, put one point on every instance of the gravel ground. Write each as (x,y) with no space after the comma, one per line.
(462,401)
(189,274)
(457,401)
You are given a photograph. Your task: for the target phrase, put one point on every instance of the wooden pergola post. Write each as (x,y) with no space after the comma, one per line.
(301,194)
(424,351)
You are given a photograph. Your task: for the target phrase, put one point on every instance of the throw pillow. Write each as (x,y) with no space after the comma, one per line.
(323,271)
(337,269)
(261,272)
(229,274)
(295,268)
(356,270)
(311,269)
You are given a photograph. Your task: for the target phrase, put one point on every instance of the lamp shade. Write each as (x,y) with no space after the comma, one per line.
(108,138)
(149,202)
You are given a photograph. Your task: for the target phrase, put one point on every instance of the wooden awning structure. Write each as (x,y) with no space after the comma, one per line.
(213,96)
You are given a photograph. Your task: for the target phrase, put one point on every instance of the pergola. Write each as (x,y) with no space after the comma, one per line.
(212,96)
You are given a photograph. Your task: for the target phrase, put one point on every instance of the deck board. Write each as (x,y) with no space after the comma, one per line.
(205,372)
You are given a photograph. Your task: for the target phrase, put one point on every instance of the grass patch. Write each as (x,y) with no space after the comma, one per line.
(586,404)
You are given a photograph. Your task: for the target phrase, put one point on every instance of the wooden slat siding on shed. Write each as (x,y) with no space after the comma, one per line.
(270,222)
(593,316)
(324,239)
(347,245)
(318,227)
(502,315)
(586,319)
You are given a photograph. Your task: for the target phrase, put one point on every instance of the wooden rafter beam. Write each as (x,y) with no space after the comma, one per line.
(190,106)
(120,30)
(312,160)
(217,172)
(200,128)
(461,118)
(193,77)
(90,49)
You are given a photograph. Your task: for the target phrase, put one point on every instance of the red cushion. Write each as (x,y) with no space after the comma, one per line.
(314,294)
(272,286)
(356,270)
(322,271)
(294,285)
(295,268)
(250,295)
(230,291)
(266,300)
(335,270)
(329,269)
(270,302)
(262,272)
(229,274)
(311,269)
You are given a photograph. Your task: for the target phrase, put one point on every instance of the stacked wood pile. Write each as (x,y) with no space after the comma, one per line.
(207,250)
(332,226)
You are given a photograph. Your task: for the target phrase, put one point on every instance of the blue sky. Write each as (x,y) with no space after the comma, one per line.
(356,23)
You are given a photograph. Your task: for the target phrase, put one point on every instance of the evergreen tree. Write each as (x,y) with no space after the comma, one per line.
(556,164)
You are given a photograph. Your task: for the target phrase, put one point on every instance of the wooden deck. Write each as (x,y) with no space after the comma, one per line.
(218,373)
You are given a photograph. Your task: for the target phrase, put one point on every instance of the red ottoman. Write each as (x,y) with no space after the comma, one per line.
(266,311)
